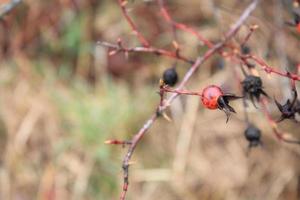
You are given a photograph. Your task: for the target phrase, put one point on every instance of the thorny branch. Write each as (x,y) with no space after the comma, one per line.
(200,60)
(268,69)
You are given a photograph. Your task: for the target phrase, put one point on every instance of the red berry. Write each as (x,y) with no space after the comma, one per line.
(210,96)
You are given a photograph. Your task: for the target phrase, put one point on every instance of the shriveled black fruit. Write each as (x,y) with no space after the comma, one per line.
(245,49)
(170,76)
(253,135)
(252,87)
(289,109)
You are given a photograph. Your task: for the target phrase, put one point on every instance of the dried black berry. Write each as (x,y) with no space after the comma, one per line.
(252,87)
(170,76)
(253,135)
(245,49)
(290,108)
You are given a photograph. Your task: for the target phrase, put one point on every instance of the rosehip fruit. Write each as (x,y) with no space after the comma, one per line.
(210,96)
(213,97)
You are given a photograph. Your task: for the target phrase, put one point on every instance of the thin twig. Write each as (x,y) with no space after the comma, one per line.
(181,26)
(268,69)
(117,48)
(252,29)
(184,92)
(142,39)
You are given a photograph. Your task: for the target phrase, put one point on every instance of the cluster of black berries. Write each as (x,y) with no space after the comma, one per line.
(252,90)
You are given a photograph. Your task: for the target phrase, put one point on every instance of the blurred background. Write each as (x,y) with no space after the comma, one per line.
(62,96)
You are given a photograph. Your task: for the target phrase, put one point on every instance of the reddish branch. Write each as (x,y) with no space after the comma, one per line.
(181,26)
(146,45)
(142,39)
(119,48)
(252,29)
(118,142)
(200,60)
(268,69)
